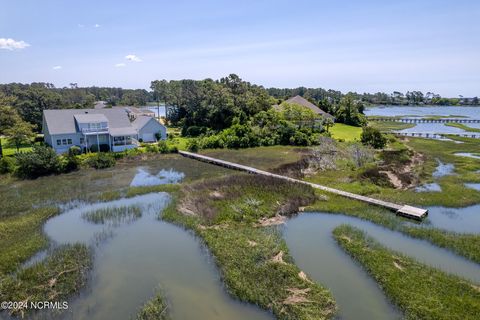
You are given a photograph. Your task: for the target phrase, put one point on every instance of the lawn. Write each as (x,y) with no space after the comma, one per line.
(10,149)
(345,132)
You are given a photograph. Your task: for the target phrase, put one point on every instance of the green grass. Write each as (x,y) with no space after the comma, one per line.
(466,245)
(61,274)
(265,158)
(462,126)
(154,309)
(115,216)
(420,291)
(21,237)
(10,149)
(388,126)
(340,131)
(216,210)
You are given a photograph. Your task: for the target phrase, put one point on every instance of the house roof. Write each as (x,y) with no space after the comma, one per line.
(305,103)
(62,121)
(141,121)
(115,132)
(90,118)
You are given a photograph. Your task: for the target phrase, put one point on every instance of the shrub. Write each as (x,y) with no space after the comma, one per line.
(194,131)
(74,151)
(373,137)
(152,148)
(163,147)
(41,161)
(192,145)
(158,136)
(7,165)
(69,163)
(101,160)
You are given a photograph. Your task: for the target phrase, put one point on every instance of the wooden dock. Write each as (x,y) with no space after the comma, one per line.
(403,210)
(426,120)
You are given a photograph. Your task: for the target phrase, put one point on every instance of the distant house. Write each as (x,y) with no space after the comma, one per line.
(93,129)
(149,128)
(307,104)
(134,112)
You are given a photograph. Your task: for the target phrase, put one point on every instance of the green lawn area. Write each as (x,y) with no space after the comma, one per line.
(10,149)
(345,132)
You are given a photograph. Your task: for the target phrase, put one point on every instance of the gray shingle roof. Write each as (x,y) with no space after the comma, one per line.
(141,121)
(62,121)
(90,118)
(304,102)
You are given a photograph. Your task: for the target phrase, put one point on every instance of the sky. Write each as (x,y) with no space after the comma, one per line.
(362,46)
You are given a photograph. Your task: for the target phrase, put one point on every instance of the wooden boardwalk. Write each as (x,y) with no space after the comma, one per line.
(426,120)
(403,210)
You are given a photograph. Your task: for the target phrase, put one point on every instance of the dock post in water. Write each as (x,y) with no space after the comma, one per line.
(402,210)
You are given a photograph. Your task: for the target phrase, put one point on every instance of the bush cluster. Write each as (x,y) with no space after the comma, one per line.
(101,160)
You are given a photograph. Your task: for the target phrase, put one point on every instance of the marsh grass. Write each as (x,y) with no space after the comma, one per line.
(244,198)
(223,212)
(154,309)
(21,237)
(466,245)
(61,274)
(387,126)
(113,215)
(420,291)
(462,126)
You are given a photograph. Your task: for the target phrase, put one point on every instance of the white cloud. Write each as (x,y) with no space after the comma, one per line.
(81,25)
(120,65)
(97,25)
(57,67)
(10,44)
(132,57)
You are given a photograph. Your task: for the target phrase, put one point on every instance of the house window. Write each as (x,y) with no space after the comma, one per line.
(59,142)
(82,140)
(64,142)
(69,141)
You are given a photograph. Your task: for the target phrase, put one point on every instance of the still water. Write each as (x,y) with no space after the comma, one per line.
(411,111)
(136,258)
(309,238)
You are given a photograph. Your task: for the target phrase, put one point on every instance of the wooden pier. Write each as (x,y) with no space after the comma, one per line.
(434,135)
(426,120)
(403,210)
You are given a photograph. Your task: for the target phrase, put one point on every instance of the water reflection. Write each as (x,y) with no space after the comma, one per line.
(144,178)
(465,220)
(474,186)
(468,155)
(309,237)
(139,257)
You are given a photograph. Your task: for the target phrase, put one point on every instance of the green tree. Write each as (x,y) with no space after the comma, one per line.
(21,132)
(373,137)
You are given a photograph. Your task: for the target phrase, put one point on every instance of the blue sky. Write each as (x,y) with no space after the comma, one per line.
(363,46)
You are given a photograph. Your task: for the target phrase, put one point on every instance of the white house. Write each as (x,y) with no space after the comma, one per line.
(95,129)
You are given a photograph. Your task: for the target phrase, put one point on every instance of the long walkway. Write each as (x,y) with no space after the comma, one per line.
(404,210)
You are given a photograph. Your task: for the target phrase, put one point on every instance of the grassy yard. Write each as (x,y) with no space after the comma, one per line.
(420,291)
(9,148)
(340,131)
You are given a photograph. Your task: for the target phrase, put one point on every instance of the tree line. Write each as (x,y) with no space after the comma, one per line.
(379,98)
